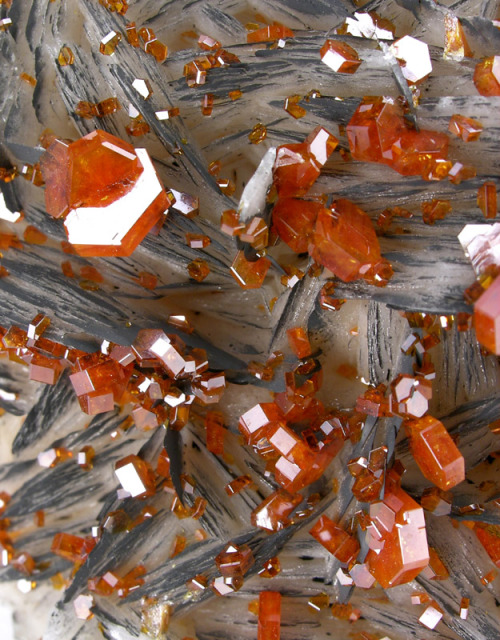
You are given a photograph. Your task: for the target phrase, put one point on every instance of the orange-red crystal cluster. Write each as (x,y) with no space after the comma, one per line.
(297,437)
(147,374)
(378,132)
(196,71)
(341,237)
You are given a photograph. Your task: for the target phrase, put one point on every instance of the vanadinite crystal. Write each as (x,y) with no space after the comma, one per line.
(414,58)
(487,318)
(294,220)
(135,476)
(339,56)
(466,128)
(234,560)
(344,241)
(269,615)
(487,199)
(435,452)
(297,166)
(377,132)
(398,541)
(487,76)
(343,546)
(107,192)
(248,274)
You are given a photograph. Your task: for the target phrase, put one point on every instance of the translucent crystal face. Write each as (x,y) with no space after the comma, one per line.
(135,476)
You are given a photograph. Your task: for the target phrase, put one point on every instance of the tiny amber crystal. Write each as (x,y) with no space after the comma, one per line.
(65,57)
(487,199)
(299,342)
(293,107)
(258,134)
(198,269)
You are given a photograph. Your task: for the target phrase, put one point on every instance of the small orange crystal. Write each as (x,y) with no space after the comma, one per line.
(340,57)
(215,431)
(456,46)
(68,546)
(273,513)
(487,199)
(135,476)
(234,560)
(345,242)
(339,543)
(293,107)
(258,134)
(249,275)
(274,31)
(297,166)
(198,269)
(466,128)
(108,44)
(299,342)
(65,57)
(237,485)
(487,76)
(489,537)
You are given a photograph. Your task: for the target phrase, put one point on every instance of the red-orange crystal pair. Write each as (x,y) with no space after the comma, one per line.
(106,191)
(342,237)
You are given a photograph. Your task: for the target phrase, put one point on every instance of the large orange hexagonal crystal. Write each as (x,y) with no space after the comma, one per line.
(345,242)
(398,546)
(435,452)
(107,192)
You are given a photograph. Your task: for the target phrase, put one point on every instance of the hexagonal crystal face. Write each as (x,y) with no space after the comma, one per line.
(120,226)
(414,58)
(108,193)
